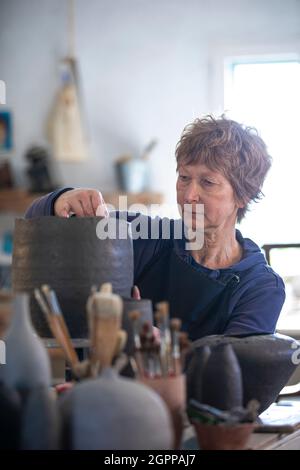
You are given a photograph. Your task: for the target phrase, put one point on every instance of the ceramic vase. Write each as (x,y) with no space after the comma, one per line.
(114,413)
(266,362)
(40,421)
(194,373)
(10,418)
(27,364)
(68,255)
(222,385)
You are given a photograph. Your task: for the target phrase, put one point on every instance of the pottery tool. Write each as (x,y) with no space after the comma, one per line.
(151,351)
(162,317)
(209,414)
(185,345)
(156,360)
(121,359)
(121,341)
(121,362)
(175,325)
(53,303)
(93,289)
(135,319)
(55,319)
(278,429)
(105,313)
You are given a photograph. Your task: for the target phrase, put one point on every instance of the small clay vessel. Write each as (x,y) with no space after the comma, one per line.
(222,385)
(115,413)
(266,363)
(194,373)
(28,365)
(10,418)
(222,437)
(40,421)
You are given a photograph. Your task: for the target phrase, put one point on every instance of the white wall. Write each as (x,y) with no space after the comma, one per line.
(146,70)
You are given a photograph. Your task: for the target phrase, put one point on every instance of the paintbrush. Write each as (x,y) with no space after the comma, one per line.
(56,322)
(150,351)
(121,359)
(105,313)
(175,324)
(185,345)
(120,344)
(135,316)
(162,317)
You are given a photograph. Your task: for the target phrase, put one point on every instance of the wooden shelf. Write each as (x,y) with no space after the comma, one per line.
(145,198)
(16,201)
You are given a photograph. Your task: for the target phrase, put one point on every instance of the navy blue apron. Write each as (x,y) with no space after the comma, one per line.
(199,301)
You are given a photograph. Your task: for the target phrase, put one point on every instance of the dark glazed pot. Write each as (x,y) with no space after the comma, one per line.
(10,418)
(194,372)
(222,386)
(68,255)
(266,363)
(40,421)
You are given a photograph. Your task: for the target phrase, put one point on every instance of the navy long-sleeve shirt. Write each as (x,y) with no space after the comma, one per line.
(256,301)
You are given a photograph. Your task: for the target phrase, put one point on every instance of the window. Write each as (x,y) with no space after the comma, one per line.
(266,94)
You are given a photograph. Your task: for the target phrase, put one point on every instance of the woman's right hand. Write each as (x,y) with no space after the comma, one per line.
(81,202)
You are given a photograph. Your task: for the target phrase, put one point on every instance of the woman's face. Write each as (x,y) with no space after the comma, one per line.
(197,184)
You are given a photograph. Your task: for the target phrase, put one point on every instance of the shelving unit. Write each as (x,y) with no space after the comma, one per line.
(16,201)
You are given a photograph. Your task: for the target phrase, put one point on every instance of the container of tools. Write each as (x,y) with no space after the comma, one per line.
(172,390)
(159,363)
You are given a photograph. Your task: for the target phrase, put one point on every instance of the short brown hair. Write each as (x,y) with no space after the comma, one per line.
(234,150)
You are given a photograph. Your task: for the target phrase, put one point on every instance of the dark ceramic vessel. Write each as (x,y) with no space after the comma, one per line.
(28,365)
(40,421)
(266,363)
(194,372)
(68,255)
(10,418)
(222,386)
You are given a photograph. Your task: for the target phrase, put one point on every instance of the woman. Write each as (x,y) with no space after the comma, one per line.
(223,286)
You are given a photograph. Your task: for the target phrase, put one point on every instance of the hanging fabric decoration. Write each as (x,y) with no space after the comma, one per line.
(66,132)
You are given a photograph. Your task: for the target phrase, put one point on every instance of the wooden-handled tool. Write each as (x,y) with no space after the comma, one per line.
(162,317)
(175,324)
(51,309)
(135,318)
(105,313)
